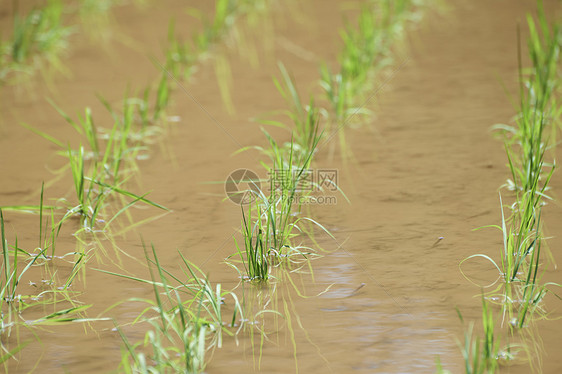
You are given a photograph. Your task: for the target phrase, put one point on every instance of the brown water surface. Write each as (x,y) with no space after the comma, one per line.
(429,168)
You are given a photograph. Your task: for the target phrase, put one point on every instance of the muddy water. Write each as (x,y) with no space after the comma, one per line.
(429,169)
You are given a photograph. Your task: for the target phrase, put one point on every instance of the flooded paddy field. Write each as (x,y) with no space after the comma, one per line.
(280,186)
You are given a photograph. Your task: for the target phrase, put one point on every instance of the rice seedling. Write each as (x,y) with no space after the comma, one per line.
(481,354)
(98,174)
(367,49)
(273,220)
(162,97)
(166,357)
(11,273)
(521,263)
(538,109)
(182,56)
(305,118)
(213,29)
(253,30)
(37,43)
(257,245)
(96,18)
(288,176)
(188,322)
(520,291)
(92,192)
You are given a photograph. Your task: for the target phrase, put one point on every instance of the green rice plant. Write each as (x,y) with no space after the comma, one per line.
(520,291)
(215,27)
(521,239)
(363,48)
(273,218)
(38,40)
(91,192)
(288,173)
(539,109)
(188,322)
(162,97)
(96,18)
(304,118)
(257,245)
(528,166)
(524,289)
(338,98)
(11,274)
(189,359)
(367,49)
(182,56)
(123,140)
(545,55)
(481,353)
(98,174)
(46,239)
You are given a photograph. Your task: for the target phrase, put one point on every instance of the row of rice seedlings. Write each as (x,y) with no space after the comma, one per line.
(273,221)
(367,50)
(521,292)
(186,319)
(37,43)
(92,190)
(538,110)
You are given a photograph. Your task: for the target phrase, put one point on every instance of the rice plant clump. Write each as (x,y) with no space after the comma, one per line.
(273,220)
(481,354)
(186,320)
(38,41)
(367,49)
(100,174)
